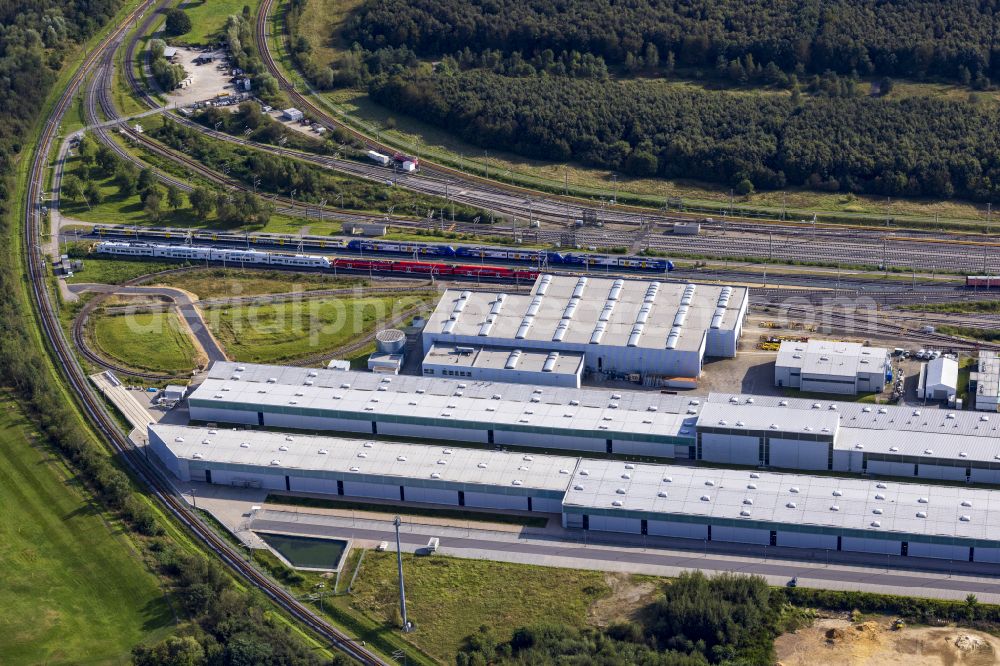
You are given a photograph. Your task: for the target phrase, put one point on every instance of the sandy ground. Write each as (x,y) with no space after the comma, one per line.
(838,642)
(628,595)
(207,80)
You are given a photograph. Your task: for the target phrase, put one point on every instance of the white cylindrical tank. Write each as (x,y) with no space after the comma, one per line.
(390,341)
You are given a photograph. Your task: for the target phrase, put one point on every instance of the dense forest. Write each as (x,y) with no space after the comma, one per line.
(727,619)
(908,147)
(910,38)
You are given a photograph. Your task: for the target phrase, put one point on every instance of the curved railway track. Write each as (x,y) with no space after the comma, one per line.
(80,341)
(871,248)
(66,362)
(621,213)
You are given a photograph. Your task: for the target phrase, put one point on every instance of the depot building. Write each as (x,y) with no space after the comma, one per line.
(728,429)
(692,503)
(620,326)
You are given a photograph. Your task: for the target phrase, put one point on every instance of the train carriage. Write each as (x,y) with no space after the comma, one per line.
(983,281)
(127,249)
(241,256)
(303,260)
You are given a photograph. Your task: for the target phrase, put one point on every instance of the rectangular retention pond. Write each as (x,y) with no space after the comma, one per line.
(307,552)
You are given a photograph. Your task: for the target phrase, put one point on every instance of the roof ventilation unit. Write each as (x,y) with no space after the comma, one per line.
(673,337)
(595,337)
(543,284)
(512,360)
(616,290)
(498,304)
(560,331)
(487,326)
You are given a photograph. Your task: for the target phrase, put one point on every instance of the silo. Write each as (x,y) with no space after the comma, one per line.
(390,341)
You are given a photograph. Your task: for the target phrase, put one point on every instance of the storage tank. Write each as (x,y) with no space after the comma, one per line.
(390,341)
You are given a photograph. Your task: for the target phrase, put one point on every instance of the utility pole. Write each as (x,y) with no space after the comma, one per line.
(399,564)
(566,180)
(486,160)
(989,215)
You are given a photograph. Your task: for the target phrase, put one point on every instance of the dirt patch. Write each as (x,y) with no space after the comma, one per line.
(838,642)
(629,594)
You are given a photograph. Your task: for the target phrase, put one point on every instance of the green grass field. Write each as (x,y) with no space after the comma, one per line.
(208,17)
(230,283)
(971,332)
(115,208)
(449,598)
(74,591)
(150,341)
(116,271)
(968,307)
(280,332)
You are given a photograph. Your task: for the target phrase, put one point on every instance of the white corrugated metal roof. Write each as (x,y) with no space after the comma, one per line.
(942,372)
(304,453)
(831,358)
(569,310)
(798,499)
(481,402)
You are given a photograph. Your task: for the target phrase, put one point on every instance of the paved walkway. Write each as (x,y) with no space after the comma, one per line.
(124,400)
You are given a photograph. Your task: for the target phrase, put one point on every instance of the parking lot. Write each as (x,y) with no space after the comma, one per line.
(204,81)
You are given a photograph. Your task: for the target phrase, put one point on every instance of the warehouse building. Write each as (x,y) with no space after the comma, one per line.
(497,364)
(620,326)
(826,366)
(555,418)
(849,437)
(986,381)
(793,510)
(363,468)
(740,506)
(938,379)
(757,431)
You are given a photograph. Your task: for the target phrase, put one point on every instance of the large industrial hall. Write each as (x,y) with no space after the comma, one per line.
(700,503)
(621,326)
(757,431)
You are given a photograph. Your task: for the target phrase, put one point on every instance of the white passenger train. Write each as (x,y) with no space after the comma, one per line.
(196,253)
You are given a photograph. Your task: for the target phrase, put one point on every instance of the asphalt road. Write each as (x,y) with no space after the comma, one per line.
(185,306)
(660,556)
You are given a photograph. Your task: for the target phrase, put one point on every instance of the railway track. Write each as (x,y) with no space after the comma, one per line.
(872,324)
(67,363)
(621,214)
(851,245)
(80,340)
(741,238)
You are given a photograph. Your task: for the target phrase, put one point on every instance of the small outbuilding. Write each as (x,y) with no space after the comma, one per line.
(829,366)
(174,393)
(939,379)
(292,115)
